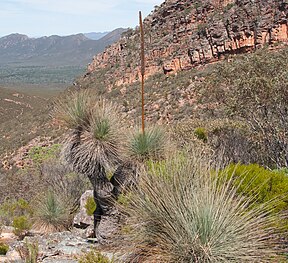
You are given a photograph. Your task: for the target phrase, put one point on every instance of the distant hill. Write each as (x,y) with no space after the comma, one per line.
(95,35)
(112,36)
(73,50)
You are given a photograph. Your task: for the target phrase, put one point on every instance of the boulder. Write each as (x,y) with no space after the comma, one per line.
(82,220)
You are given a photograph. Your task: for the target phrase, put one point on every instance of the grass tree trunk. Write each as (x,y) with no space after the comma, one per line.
(104,225)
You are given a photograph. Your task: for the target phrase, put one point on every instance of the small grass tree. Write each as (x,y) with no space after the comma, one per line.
(93,146)
(52,215)
(181,212)
(141,147)
(148,145)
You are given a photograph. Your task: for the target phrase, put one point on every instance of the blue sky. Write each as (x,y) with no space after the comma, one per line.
(64,17)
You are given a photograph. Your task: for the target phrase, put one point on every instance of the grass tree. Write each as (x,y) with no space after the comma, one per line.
(143,144)
(183,213)
(148,145)
(140,147)
(52,214)
(93,146)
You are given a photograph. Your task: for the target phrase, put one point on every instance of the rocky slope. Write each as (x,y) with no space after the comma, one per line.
(181,34)
(24,120)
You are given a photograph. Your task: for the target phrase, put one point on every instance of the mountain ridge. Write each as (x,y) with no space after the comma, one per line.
(96,35)
(53,50)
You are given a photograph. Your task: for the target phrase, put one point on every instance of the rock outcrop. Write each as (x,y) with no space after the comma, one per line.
(181,34)
(82,220)
(61,247)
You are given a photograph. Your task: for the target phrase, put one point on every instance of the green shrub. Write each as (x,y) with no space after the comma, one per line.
(3,249)
(23,205)
(284,170)
(39,154)
(6,212)
(21,225)
(264,185)
(94,257)
(187,216)
(162,168)
(255,180)
(90,206)
(201,134)
(14,208)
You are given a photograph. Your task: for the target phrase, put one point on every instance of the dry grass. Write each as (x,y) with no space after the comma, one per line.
(62,181)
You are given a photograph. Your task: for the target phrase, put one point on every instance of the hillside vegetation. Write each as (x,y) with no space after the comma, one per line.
(220,65)
(243,97)
(205,180)
(22,118)
(243,115)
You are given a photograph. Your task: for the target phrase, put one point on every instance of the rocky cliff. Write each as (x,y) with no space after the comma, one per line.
(181,34)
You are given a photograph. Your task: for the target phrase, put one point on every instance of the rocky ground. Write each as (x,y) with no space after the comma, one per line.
(59,247)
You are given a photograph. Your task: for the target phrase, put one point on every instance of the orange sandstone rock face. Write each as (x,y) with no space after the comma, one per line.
(183,34)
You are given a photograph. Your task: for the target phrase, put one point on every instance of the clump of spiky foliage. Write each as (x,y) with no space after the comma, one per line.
(29,251)
(94,256)
(3,248)
(148,145)
(62,180)
(51,214)
(184,214)
(94,131)
(100,142)
(140,147)
(74,110)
